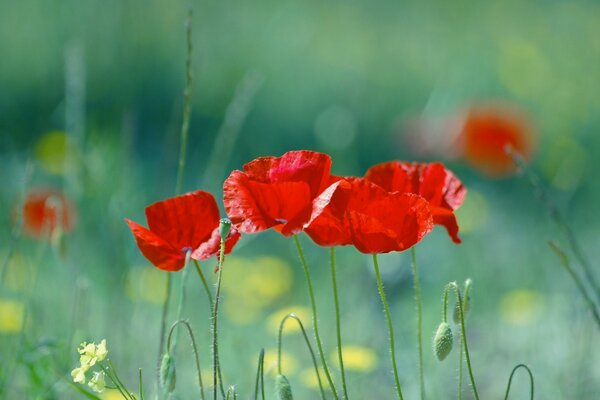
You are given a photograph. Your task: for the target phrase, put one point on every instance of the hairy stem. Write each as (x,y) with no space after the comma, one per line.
(337,320)
(417,287)
(194,350)
(390,326)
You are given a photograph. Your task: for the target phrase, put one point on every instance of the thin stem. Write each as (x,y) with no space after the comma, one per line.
(564,261)
(308,345)
(460,366)
(337,319)
(417,287)
(184,275)
(215,341)
(187,101)
(531,390)
(116,375)
(163,323)
(445,303)
(114,381)
(141,384)
(315,317)
(389,323)
(464,338)
(558,219)
(260,375)
(205,284)
(194,349)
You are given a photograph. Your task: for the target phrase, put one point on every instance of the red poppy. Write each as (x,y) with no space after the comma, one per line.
(444,191)
(277,192)
(361,213)
(178,225)
(488,131)
(45,210)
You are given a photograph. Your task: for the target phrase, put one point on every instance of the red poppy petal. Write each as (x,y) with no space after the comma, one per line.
(155,249)
(447,219)
(391,176)
(327,225)
(254,206)
(369,235)
(44,210)
(186,220)
(212,246)
(294,166)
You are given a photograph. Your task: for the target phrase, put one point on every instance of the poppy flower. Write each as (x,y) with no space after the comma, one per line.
(44,211)
(277,192)
(486,134)
(372,219)
(444,191)
(189,222)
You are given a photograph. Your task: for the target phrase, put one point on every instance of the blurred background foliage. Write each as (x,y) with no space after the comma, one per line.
(91,104)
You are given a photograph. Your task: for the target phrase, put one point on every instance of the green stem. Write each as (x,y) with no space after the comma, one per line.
(310,349)
(564,261)
(315,317)
(121,389)
(194,349)
(260,375)
(337,319)
(205,284)
(116,375)
(389,323)
(464,338)
(417,287)
(460,366)
(215,338)
(531,390)
(187,100)
(140,380)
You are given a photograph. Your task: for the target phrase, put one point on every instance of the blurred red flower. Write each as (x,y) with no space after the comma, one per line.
(278,192)
(45,210)
(444,191)
(178,225)
(486,133)
(372,219)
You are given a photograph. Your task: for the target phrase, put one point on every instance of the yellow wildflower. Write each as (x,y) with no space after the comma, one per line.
(97,383)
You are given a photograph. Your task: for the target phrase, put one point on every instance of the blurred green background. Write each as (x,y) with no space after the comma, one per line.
(359,80)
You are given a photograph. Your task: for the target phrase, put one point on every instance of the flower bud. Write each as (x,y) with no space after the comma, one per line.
(466,303)
(283,388)
(168,377)
(442,341)
(224,228)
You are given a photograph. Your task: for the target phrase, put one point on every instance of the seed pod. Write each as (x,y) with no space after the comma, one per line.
(442,341)
(283,388)
(168,376)
(224,228)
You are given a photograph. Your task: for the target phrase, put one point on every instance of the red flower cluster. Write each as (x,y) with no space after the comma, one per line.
(392,208)
(189,222)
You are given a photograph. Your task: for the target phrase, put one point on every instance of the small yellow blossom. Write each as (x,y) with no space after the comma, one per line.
(289,364)
(97,383)
(291,326)
(521,306)
(12,314)
(92,353)
(78,374)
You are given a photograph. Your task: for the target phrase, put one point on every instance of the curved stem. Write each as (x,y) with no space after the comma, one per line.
(389,323)
(119,387)
(215,338)
(260,375)
(315,318)
(194,349)
(531,391)
(417,286)
(337,319)
(464,338)
(310,349)
(205,284)
(119,381)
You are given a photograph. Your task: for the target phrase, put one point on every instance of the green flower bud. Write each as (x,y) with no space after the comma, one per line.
(466,303)
(168,376)
(224,228)
(442,341)
(283,388)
